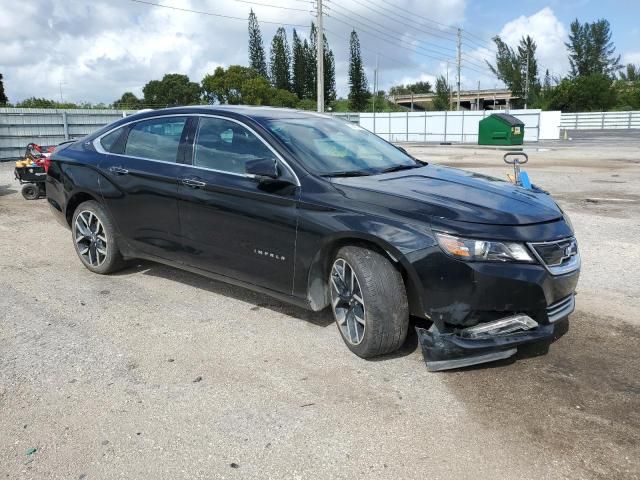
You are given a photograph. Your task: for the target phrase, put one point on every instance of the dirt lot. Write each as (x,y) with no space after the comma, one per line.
(157,373)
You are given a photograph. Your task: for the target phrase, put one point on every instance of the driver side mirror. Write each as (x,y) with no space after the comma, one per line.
(263,168)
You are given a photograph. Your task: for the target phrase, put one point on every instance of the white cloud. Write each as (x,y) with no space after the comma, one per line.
(631,57)
(549,34)
(96,50)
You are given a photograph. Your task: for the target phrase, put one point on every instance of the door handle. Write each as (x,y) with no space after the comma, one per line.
(190,182)
(118,170)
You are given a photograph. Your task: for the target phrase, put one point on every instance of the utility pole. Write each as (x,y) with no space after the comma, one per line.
(375,85)
(448,86)
(320,60)
(478,100)
(526,83)
(459,62)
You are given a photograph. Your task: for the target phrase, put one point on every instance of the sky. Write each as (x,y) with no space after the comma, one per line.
(95,50)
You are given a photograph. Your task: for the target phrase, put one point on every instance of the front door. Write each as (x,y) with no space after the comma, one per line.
(140,184)
(233,224)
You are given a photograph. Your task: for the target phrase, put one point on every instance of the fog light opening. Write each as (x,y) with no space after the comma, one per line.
(502,326)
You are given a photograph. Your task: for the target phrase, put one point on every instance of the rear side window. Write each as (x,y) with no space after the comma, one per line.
(226,146)
(108,141)
(156,139)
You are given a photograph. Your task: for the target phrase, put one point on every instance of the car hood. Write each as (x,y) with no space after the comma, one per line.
(453,194)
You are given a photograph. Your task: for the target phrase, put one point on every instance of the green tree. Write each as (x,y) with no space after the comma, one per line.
(415,88)
(591,50)
(631,73)
(441,100)
(280,60)
(128,101)
(34,102)
(174,89)
(527,56)
(299,66)
(329,70)
(594,92)
(3,97)
(511,68)
(312,62)
(236,85)
(257,59)
(358,93)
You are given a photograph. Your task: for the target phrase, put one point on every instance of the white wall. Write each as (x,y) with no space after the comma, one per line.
(460,126)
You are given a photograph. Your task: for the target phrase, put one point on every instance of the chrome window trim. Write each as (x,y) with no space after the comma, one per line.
(572,265)
(98,146)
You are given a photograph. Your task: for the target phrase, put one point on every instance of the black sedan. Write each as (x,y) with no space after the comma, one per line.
(322,213)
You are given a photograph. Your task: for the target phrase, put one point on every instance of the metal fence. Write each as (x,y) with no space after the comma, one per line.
(20,126)
(459,126)
(600,120)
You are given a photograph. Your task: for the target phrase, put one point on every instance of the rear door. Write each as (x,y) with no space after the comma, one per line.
(140,182)
(231,223)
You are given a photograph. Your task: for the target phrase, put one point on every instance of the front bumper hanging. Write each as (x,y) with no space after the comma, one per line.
(487,342)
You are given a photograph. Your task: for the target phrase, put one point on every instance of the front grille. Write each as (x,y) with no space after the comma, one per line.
(560,256)
(561,309)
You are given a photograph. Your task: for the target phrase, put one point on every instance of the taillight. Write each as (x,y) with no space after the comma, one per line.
(46,164)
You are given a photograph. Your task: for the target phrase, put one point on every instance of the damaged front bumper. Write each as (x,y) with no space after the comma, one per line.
(490,341)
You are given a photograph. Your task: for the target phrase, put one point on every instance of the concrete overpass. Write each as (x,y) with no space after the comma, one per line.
(489,99)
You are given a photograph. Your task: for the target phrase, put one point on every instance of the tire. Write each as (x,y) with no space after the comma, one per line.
(372,312)
(93,236)
(30,191)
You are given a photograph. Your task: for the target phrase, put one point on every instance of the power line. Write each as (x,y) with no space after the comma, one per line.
(396,42)
(384,26)
(272,6)
(395,9)
(188,10)
(387,16)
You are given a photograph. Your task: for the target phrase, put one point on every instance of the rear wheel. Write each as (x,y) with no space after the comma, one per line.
(30,191)
(94,238)
(368,301)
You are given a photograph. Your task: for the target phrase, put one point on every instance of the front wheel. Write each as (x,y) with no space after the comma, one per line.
(94,238)
(369,302)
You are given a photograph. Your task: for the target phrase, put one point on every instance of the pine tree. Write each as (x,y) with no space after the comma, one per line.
(329,77)
(591,51)
(3,97)
(299,66)
(256,49)
(312,62)
(358,94)
(329,65)
(527,57)
(280,60)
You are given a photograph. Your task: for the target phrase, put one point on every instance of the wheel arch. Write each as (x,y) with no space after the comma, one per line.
(317,286)
(76,199)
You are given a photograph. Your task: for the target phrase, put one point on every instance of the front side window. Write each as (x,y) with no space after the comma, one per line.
(226,146)
(156,139)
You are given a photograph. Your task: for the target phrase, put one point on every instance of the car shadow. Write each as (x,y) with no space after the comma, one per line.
(259,300)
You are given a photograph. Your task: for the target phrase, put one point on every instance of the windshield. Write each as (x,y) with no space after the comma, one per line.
(332,147)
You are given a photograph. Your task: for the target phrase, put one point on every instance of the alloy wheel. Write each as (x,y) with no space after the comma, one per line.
(90,238)
(347,302)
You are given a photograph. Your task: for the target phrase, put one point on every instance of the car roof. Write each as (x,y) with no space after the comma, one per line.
(262,113)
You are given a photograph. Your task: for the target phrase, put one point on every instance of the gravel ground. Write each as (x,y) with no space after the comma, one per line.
(158,373)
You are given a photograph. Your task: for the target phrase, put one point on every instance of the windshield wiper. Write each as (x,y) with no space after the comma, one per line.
(397,168)
(347,173)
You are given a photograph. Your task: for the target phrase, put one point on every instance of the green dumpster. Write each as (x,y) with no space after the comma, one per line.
(500,129)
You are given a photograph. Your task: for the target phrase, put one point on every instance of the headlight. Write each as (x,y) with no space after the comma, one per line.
(483,250)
